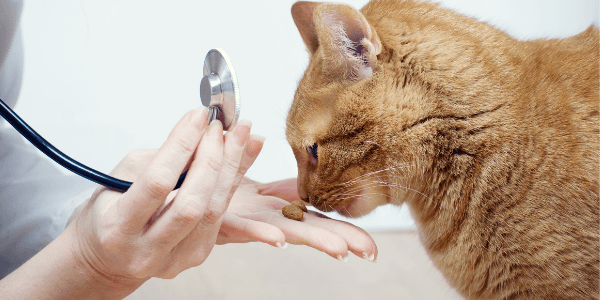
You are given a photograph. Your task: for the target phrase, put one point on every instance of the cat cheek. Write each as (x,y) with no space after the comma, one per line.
(368,199)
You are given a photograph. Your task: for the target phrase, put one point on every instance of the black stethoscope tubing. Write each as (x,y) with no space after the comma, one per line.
(63,159)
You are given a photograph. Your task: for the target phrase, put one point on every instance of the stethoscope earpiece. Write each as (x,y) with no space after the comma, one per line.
(219,89)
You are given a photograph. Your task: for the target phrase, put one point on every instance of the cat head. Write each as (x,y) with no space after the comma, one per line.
(367,111)
(343,49)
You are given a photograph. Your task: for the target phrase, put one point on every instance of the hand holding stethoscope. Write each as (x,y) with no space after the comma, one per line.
(218,91)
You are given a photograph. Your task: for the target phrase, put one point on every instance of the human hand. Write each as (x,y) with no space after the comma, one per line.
(254,214)
(150,230)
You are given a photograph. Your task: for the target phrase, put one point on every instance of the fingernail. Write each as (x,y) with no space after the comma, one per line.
(242,132)
(368,257)
(259,138)
(244,122)
(258,142)
(278,244)
(344,258)
(216,122)
(204,110)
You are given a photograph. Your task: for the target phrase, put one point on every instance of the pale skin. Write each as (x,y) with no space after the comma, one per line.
(117,241)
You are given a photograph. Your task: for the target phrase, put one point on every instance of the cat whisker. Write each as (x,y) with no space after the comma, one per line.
(348,212)
(387,184)
(361,195)
(359,187)
(344,196)
(371,142)
(377,172)
(374,183)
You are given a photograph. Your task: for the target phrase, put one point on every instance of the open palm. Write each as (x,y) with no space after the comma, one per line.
(254,214)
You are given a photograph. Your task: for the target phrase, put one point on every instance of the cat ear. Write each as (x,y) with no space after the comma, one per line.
(302,12)
(349,44)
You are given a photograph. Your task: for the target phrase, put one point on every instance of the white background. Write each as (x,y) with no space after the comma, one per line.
(105,77)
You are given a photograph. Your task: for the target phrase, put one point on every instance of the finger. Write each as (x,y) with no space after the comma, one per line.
(198,207)
(196,242)
(285,189)
(191,201)
(253,147)
(215,222)
(132,166)
(241,230)
(148,193)
(358,240)
(301,233)
(235,143)
(134,163)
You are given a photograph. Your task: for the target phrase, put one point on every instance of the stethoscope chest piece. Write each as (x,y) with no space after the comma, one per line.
(219,89)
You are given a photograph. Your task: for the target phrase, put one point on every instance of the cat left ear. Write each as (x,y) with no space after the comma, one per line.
(349,43)
(302,13)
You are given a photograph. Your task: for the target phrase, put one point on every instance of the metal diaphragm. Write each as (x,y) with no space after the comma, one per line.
(219,89)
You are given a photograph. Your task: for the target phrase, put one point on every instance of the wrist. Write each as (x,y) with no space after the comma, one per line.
(61,271)
(87,265)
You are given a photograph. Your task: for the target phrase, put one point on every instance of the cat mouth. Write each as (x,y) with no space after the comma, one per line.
(325,204)
(345,209)
(364,201)
(342,210)
(330,201)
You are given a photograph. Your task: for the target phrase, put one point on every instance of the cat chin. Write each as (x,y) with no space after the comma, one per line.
(365,203)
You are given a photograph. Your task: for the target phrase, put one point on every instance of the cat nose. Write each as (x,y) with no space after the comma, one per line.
(303,197)
(302,192)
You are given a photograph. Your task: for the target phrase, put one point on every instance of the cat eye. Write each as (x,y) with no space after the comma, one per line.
(313,150)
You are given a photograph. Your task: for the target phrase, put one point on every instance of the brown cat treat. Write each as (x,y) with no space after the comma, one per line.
(292,212)
(493,143)
(299,204)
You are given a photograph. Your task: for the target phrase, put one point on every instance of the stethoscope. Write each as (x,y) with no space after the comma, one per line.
(219,92)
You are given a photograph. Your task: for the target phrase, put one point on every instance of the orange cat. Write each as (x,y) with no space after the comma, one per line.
(492,142)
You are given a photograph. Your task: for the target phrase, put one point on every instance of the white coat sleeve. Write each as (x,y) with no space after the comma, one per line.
(36,198)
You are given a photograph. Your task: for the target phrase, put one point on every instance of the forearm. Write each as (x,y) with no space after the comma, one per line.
(57,272)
